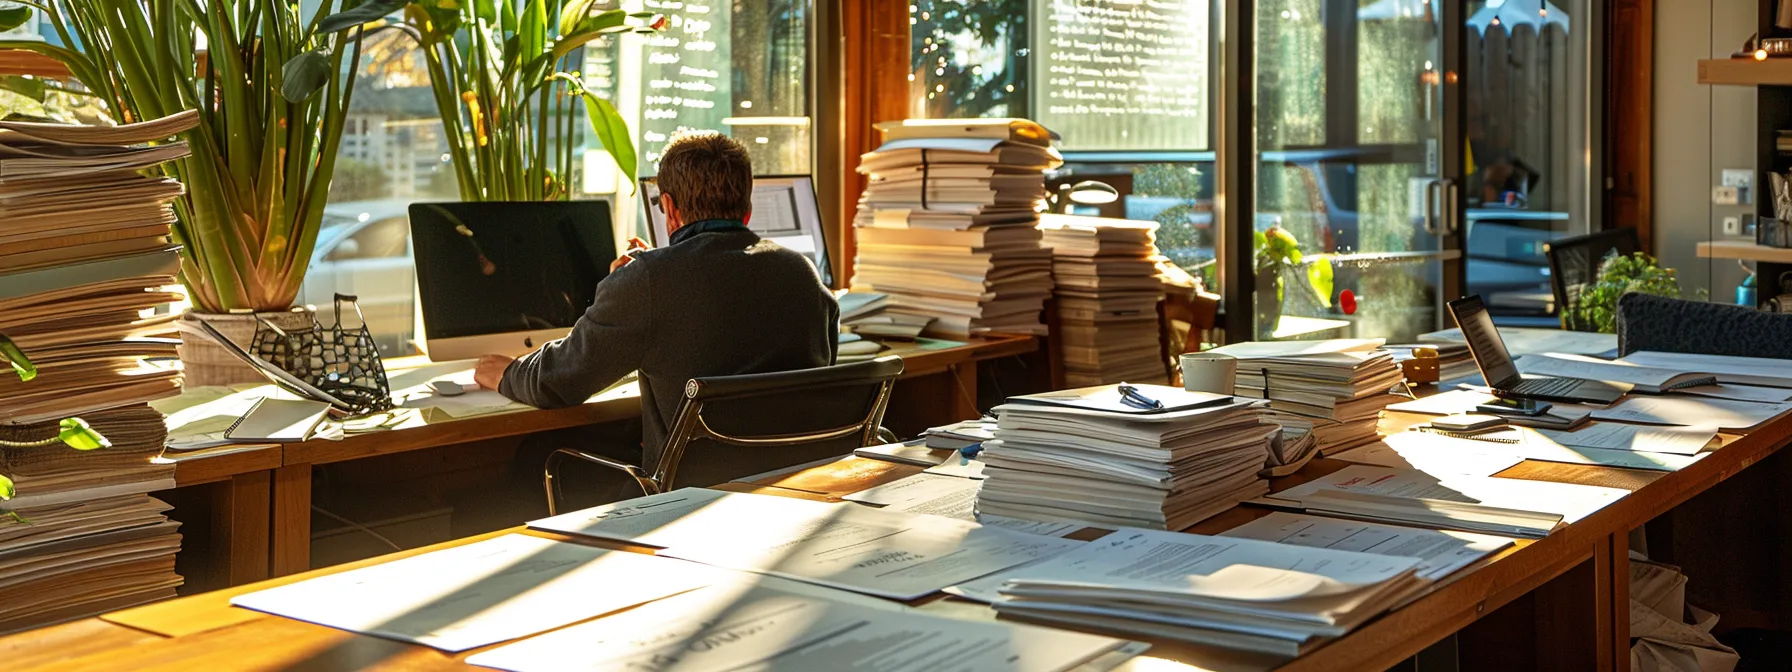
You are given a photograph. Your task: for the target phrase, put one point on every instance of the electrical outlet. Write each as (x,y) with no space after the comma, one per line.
(1725,196)
(1732,226)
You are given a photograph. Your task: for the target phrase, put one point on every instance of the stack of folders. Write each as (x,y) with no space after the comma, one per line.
(947,225)
(1108,288)
(1165,470)
(865,314)
(1339,386)
(1217,591)
(84,253)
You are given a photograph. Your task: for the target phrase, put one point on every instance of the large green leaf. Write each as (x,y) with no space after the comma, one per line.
(532,32)
(304,75)
(34,89)
(607,123)
(77,434)
(21,365)
(574,12)
(6,490)
(1319,275)
(13,17)
(588,29)
(372,10)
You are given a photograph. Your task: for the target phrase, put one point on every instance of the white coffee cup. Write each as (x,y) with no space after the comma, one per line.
(1209,372)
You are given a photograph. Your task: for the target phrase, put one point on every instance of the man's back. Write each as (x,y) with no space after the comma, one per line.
(716,303)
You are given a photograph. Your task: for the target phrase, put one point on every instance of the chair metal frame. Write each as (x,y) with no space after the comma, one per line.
(689,426)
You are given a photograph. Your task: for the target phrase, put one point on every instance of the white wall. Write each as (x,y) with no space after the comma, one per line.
(1699,131)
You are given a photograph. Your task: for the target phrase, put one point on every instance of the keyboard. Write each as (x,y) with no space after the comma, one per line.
(1545,387)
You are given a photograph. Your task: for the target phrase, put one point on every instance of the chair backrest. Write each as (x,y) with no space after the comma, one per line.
(1574,262)
(1662,324)
(734,426)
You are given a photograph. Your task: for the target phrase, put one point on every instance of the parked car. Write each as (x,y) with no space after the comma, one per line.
(364,250)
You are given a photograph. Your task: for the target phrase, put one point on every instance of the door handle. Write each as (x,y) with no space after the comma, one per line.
(1433,192)
(1452,211)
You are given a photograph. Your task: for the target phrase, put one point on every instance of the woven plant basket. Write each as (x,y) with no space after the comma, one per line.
(208,363)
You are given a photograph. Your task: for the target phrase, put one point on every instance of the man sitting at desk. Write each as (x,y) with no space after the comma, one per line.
(716,301)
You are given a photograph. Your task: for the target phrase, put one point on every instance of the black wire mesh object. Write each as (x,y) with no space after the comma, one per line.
(344,362)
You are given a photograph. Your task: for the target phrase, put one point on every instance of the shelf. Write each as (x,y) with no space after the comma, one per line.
(1746,72)
(1737,249)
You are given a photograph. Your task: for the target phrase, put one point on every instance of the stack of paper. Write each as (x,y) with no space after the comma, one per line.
(946,227)
(960,435)
(1504,506)
(1228,592)
(84,253)
(864,313)
(1340,385)
(1105,271)
(1108,467)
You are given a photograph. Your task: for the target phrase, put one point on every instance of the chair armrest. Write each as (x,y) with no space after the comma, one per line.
(642,478)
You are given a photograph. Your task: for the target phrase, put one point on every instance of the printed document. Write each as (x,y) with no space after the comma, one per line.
(1691,411)
(1569,500)
(482,593)
(1440,552)
(1619,436)
(953,498)
(743,627)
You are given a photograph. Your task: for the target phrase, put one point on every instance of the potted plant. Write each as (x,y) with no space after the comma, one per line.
(1277,257)
(72,432)
(507,89)
(1596,306)
(272,86)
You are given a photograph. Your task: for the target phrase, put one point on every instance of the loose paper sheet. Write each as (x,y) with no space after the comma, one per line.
(1441,552)
(482,593)
(1691,411)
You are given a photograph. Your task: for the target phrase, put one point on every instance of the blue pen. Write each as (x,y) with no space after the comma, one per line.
(1131,396)
(971,451)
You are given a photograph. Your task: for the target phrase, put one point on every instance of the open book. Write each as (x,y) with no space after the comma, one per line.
(1647,379)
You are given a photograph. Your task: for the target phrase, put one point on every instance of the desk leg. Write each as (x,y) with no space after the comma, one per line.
(240,527)
(963,405)
(1611,563)
(292,519)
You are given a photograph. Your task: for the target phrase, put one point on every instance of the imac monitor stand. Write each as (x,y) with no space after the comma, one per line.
(506,277)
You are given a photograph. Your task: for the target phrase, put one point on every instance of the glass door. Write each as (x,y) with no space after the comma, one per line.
(1358,168)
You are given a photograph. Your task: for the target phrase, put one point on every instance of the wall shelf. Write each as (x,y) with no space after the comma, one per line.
(1737,249)
(1746,72)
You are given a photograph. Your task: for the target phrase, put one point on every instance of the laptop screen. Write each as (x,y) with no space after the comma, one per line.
(1484,341)
(784,212)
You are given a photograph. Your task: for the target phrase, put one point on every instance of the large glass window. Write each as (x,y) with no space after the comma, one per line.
(1125,85)
(741,68)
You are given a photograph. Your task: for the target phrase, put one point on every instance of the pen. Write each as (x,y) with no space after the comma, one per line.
(1130,396)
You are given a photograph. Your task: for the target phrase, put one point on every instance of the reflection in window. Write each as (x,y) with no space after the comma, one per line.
(968,58)
(1291,81)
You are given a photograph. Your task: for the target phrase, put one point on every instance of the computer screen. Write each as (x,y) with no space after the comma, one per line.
(1484,340)
(784,212)
(507,267)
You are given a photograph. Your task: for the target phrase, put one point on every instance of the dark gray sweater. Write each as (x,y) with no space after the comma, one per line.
(717,303)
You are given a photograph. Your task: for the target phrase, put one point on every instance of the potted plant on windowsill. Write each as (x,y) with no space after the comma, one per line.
(272,87)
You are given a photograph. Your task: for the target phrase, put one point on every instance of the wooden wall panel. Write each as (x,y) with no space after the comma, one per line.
(1629,115)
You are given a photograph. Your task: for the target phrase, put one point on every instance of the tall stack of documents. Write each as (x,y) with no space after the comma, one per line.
(1107,287)
(84,254)
(1218,591)
(947,224)
(1069,461)
(1339,386)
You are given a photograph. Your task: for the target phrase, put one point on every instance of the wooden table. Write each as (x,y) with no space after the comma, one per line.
(1576,580)
(261,495)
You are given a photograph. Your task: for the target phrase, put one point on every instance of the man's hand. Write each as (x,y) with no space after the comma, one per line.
(490,370)
(635,246)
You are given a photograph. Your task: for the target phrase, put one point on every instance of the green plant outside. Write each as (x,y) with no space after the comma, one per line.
(1596,307)
(1277,250)
(505,90)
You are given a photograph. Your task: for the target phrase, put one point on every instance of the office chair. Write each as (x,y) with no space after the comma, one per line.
(1662,324)
(1574,263)
(781,419)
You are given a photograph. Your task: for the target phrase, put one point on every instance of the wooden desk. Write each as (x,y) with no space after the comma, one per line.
(1577,577)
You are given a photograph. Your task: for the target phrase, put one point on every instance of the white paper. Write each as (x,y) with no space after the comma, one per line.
(1569,500)
(958,466)
(957,498)
(1444,403)
(1589,368)
(1739,392)
(1433,454)
(844,545)
(902,453)
(754,628)
(1691,411)
(1619,436)
(1254,349)
(1441,552)
(916,487)
(1747,370)
(1525,341)
(481,593)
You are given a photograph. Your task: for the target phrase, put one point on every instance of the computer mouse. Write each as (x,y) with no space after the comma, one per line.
(446,388)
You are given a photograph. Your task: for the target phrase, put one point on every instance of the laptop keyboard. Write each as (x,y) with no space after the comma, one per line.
(1545,387)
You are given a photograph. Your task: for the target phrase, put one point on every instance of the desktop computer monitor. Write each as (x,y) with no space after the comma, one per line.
(784,212)
(504,278)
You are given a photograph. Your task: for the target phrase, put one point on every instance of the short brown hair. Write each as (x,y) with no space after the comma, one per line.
(708,175)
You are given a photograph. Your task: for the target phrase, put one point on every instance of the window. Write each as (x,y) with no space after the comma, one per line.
(385,239)
(1134,112)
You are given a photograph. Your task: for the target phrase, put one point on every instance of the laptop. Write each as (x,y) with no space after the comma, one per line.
(1489,351)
